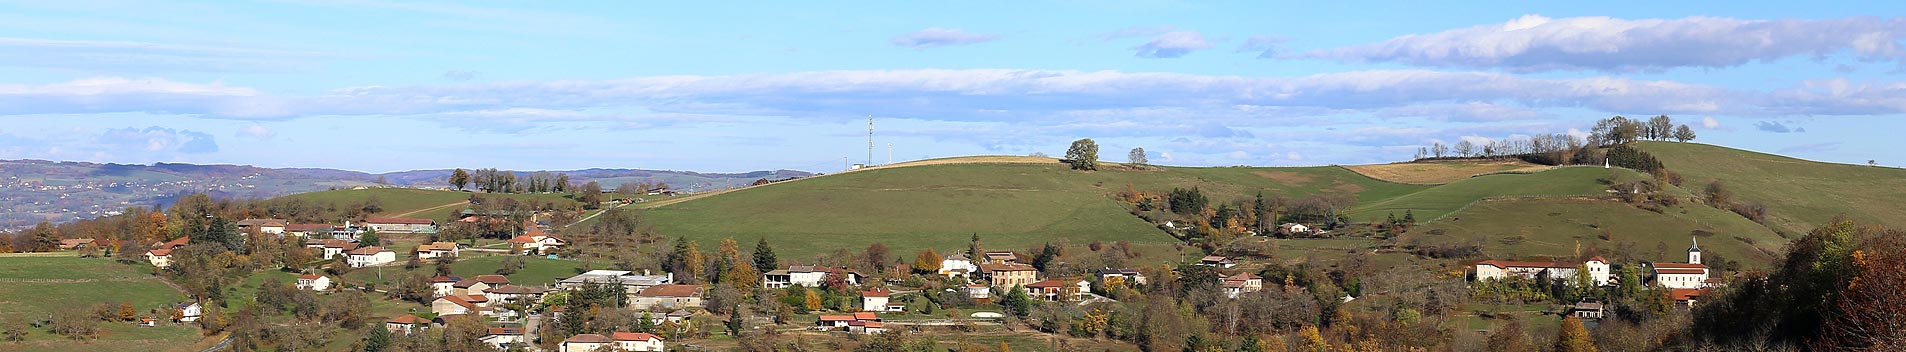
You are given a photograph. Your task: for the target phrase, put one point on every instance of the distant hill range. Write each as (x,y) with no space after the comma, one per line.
(37,190)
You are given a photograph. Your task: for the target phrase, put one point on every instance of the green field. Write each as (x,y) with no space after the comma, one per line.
(1799,194)
(1433,203)
(36,287)
(415,203)
(1555,227)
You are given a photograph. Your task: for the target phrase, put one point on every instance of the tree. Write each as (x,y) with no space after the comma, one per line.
(1047,254)
(1438,149)
(126,313)
(764,259)
(927,262)
(877,257)
(510,265)
(1137,157)
(1718,194)
(1573,337)
(591,194)
(1313,340)
(1465,148)
(1016,302)
(811,300)
(1083,155)
(973,249)
(1683,134)
(377,340)
(369,238)
(1660,127)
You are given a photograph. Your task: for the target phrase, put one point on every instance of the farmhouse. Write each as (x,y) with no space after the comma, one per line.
(1126,277)
(314,282)
(188,312)
(978,291)
(405,324)
(1008,275)
(636,341)
(957,265)
(1241,283)
(161,253)
(860,323)
(264,226)
(461,304)
(1217,262)
(1002,258)
(586,343)
(1059,290)
(807,276)
(535,242)
(77,243)
(436,250)
(476,285)
(309,230)
(1587,310)
(1692,275)
(370,256)
(516,293)
(1295,229)
(444,285)
(1598,270)
(876,300)
(1686,297)
(504,338)
(331,248)
(668,296)
(401,225)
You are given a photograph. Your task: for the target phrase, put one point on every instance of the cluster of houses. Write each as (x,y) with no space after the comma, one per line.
(858,323)
(1686,282)
(331,241)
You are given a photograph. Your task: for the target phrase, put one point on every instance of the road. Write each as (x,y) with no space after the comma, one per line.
(222,345)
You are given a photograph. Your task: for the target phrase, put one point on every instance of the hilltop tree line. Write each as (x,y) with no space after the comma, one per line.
(497,181)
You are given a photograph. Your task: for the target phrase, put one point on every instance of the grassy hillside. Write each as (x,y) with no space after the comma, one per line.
(1435,202)
(1441,172)
(1526,227)
(414,203)
(38,286)
(1799,194)
(941,205)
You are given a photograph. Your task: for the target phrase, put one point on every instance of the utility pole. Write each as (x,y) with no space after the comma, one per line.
(870,140)
(889,153)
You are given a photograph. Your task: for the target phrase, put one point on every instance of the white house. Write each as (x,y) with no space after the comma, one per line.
(461,304)
(876,300)
(1295,229)
(586,343)
(265,226)
(436,250)
(957,265)
(1692,275)
(161,253)
(535,242)
(668,296)
(1598,270)
(1126,277)
(504,338)
(188,311)
(636,341)
(331,248)
(314,282)
(1217,262)
(631,282)
(806,276)
(444,285)
(370,256)
(1240,284)
(979,290)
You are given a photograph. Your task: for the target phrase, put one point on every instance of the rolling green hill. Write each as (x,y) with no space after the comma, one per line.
(414,203)
(1799,194)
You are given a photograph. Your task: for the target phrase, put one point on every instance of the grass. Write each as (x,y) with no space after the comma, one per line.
(415,203)
(1557,226)
(1441,172)
(1010,206)
(1435,202)
(36,287)
(1800,195)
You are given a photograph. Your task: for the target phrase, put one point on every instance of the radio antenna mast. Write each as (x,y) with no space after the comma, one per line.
(870,140)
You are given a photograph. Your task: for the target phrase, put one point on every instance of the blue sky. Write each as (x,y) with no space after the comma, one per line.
(386,86)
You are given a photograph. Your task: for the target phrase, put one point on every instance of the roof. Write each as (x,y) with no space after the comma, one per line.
(523,239)
(1659,271)
(1111,271)
(469,301)
(404,221)
(372,250)
(489,279)
(1244,277)
(837,318)
(588,338)
(1659,266)
(160,252)
(263,222)
(1521,264)
(866,316)
(308,227)
(175,243)
(1588,306)
(406,319)
(436,246)
(516,290)
(506,331)
(672,290)
(1682,294)
(1048,283)
(75,241)
(1213,259)
(633,336)
(1597,259)
(877,292)
(309,277)
(991,267)
(442,278)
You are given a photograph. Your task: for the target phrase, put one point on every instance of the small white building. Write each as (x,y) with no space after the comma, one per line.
(188,311)
(1692,275)
(370,256)
(806,276)
(1217,262)
(264,226)
(1598,270)
(504,338)
(436,250)
(314,282)
(401,225)
(636,341)
(957,265)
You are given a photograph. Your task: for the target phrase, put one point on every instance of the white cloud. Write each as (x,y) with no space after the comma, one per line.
(938,37)
(259,132)
(1536,43)
(1710,123)
(1173,44)
(1267,46)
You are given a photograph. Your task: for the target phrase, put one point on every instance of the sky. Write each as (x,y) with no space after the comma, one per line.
(388,86)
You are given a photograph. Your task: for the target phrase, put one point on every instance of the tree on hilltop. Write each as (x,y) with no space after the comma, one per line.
(1083,155)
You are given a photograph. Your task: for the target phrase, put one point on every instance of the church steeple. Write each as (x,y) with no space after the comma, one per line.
(1694,252)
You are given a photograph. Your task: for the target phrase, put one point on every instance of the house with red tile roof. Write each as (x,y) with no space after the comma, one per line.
(1059,290)
(161,253)
(405,324)
(586,343)
(370,256)
(672,296)
(636,341)
(1598,270)
(461,304)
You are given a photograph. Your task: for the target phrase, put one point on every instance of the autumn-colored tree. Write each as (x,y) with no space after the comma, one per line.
(1870,316)
(1313,340)
(126,313)
(812,301)
(927,262)
(693,263)
(1573,337)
